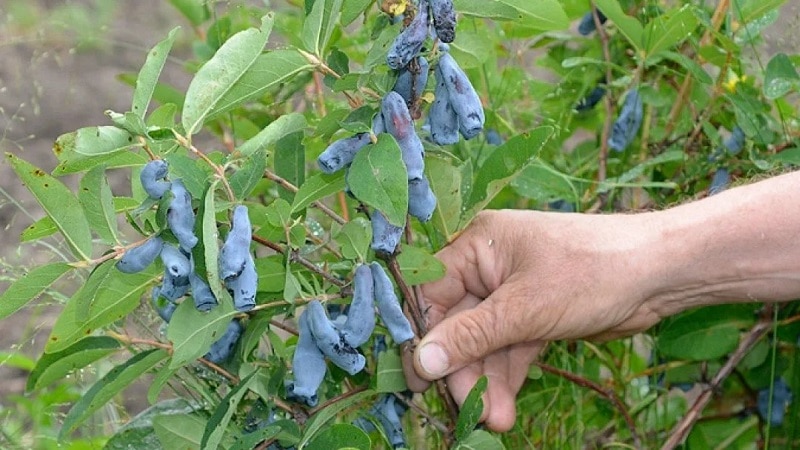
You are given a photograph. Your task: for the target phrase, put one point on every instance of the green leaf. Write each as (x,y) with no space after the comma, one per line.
(52,367)
(161,378)
(505,163)
(317,187)
(147,79)
(30,286)
(323,416)
(98,204)
(480,440)
(418,266)
(217,76)
(690,65)
(471,410)
(341,436)
(378,177)
(271,273)
(351,9)
(627,25)
(107,296)
(780,77)
(705,333)
(249,441)
(268,70)
(668,30)
(544,183)
(545,15)
(389,375)
(195,11)
(95,141)
(180,431)
(249,174)
(73,162)
(210,239)
(319,25)
(107,387)
(139,433)
(219,420)
(41,228)
(489,10)
(354,239)
(280,127)
(445,180)
(59,203)
(754,9)
(192,332)
(163,93)
(290,162)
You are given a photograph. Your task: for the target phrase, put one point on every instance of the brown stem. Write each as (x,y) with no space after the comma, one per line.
(333,400)
(296,257)
(282,182)
(608,103)
(438,424)
(681,430)
(219,171)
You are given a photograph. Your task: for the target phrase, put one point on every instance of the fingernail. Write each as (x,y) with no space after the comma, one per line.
(434,360)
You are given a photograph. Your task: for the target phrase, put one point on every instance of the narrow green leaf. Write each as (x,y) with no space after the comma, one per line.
(192,332)
(95,141)
(754,9)
(180,431)
(195,11)
(389,375)
(52,367)
(668,30)
(290,162)
(30,286)
(341,436)
(378,178)
(352,9)
(271,273)
(107,296)
(322,417)
(418,266)
(445,180)
(280,127)
(107,387)
(705,333)
(319,25)
(354,239)
(98,204)
(471,410)
(317,187)
(59,203)
(139,434)
(545,15)
(147,79)
(506,162)
(249,174)
(269,70)
(73,162)
(480,440)
(780,77)
(249,441)
(219,420)
(488,10)
(161,378)
(41,228)
(544,183)
(163,93)
(217,76)
(630,27)
(210,237)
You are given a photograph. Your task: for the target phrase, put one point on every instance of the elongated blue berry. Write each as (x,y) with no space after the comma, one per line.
(385,236)
(781,397)
(387,411)
(389,306)
(176,262)
(411,82)
(243,287)
(720,181)
(361,315)
(409,42)
(493,137)
(626,127)
(204,299)
(153,178)
(591,100)
(587,25)
(137,259)
(463,98)
(308,364)
(330,342)
(165,311)
(221,350)
(236,249)
(399,124)
(442,117)
(180,216)
(735,142)
(444,19)
(172,287)
(421,199)
(340,153)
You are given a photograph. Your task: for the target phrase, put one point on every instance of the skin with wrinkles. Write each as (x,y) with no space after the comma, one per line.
(137,259)
(444,19)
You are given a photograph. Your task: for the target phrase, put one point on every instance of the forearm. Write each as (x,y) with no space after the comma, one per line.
(738,246)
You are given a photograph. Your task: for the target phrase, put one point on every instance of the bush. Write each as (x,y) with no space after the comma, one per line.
(290,163)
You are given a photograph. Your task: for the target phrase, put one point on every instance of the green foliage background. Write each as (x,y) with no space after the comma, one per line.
(274,83)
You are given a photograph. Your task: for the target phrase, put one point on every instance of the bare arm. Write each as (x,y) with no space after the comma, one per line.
(516,279)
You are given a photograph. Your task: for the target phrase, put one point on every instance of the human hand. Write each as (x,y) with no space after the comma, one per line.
(516,279)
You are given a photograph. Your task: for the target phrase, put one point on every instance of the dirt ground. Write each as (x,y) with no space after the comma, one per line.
(59,60)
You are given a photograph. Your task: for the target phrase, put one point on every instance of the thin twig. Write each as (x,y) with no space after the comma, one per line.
(284,183)
(608,394)
(438,424)
(219,171)
(294,256)
(608,103)
(681,430)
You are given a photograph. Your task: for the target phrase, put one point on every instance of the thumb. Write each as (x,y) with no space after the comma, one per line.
(462,339)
